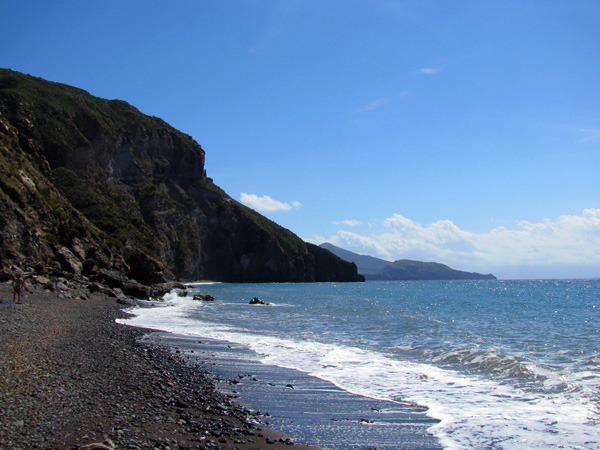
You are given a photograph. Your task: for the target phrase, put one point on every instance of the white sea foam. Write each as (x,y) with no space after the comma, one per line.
(474,412)
(203,283)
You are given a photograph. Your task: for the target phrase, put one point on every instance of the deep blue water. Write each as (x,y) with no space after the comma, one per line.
(501,364)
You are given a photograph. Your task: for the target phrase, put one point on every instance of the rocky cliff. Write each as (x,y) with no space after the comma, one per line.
(88,184)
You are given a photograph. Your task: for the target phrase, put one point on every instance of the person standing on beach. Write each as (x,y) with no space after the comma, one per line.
(18,285)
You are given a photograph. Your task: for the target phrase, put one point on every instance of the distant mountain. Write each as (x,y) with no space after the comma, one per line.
(367,265)
(404,269)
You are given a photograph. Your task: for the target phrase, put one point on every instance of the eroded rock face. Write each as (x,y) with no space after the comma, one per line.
(113,189)
(69,262)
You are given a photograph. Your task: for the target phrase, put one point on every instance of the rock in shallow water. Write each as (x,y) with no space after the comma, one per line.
(258,301)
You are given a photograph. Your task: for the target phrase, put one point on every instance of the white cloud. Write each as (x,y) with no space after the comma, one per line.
(380,102)
(348,223)
(430,70)
(567,240)
(590,134)
(372,106)
(266,203)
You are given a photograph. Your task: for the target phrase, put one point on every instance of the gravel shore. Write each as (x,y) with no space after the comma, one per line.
(71,377)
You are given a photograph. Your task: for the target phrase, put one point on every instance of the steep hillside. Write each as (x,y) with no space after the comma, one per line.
(367,265)
(118,189)
(404,269)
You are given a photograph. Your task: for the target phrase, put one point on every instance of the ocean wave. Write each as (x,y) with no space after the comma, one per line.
(495,362)
(502,401)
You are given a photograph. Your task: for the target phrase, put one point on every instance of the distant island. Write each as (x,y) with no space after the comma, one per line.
(404,269)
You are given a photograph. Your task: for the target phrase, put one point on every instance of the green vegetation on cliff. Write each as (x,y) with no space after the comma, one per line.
(120,189)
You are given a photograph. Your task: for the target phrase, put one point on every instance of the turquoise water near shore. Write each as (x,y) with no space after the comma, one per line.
(499,364)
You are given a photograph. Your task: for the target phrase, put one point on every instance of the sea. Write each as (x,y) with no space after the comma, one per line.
(492,364)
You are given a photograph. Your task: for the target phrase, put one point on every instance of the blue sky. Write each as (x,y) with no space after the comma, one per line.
(463,132)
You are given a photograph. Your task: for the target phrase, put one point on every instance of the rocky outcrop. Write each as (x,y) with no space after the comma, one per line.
(258,301)
(90,185)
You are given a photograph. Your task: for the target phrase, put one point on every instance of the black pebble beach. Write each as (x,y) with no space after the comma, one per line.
(71,377)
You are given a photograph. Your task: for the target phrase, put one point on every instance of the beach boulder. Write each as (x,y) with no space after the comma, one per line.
(110,278)
(68,261)
(97,287)
(204,297)
(5,275)
(137,290)
(44,281)
(159,290)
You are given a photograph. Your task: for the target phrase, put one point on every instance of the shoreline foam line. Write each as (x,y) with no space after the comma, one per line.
(314,411)
(469,410)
